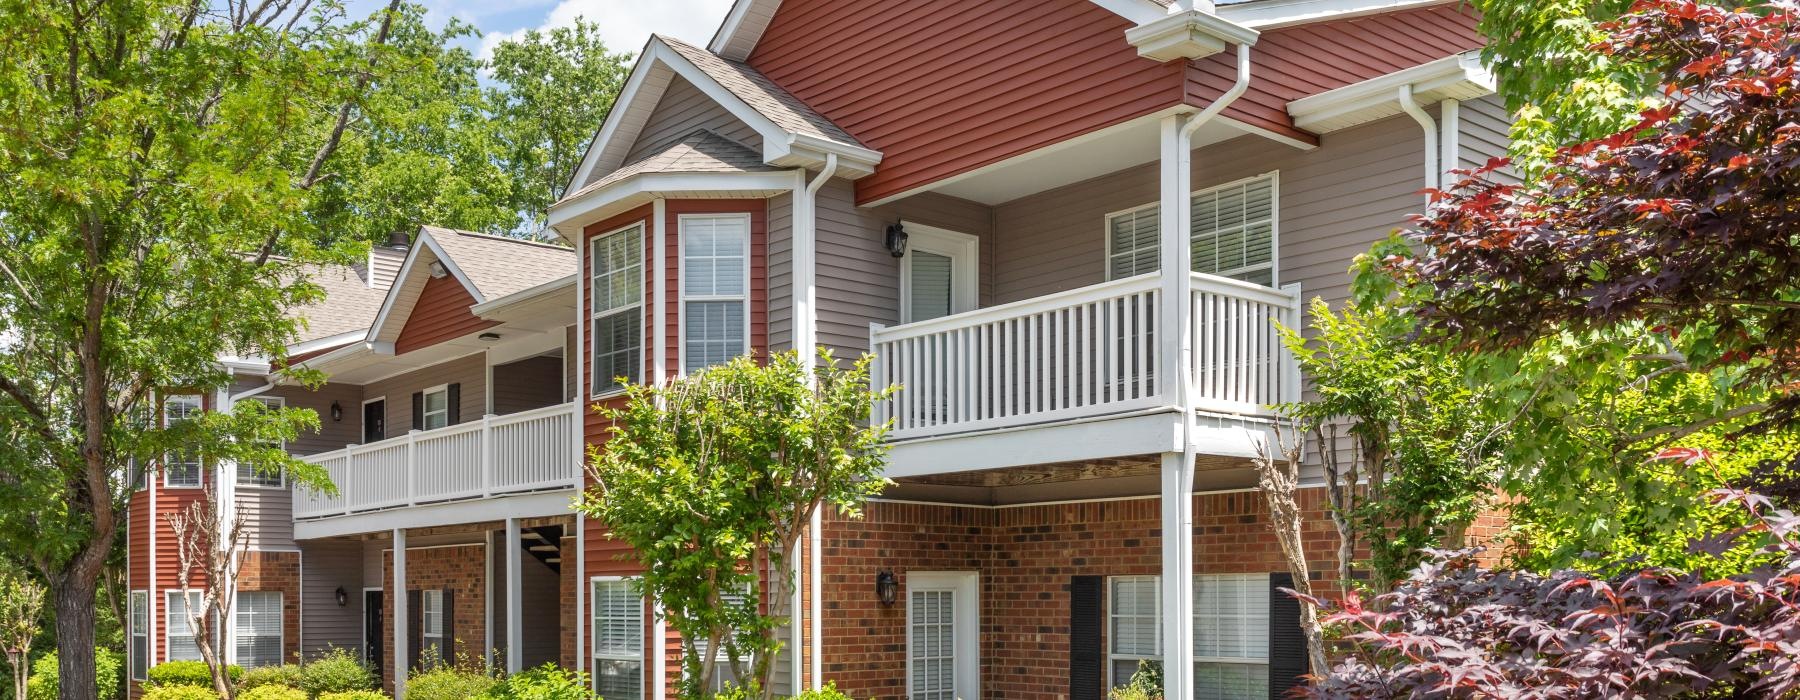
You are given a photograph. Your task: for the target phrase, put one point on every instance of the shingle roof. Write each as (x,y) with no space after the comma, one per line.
(762,94)
(350,304)
(702,151)
(499,266)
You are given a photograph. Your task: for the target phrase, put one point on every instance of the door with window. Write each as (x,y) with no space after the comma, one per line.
(943,635)
(939,275)
(374,420)
(374,634)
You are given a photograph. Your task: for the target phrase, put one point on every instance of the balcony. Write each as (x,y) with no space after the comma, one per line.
(1082,355)
(530,452)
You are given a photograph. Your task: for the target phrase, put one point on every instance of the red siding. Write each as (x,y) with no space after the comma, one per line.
(966,84)
(1309,59)
(442,313)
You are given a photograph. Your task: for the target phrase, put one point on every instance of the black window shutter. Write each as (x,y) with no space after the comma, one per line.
(1087,655)
(415,628)
(449,650)
(454,398)
(418,410)
(1287,643)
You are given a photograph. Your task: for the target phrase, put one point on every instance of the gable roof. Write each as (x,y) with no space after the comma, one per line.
(489,267)
(702,151)
(745,23)
(793,134)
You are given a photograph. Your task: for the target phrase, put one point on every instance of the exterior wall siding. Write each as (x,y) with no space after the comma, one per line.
(328,565)
(682,109)
(1293,62)
(441,313)
(991,83)
(530,383)
(1486,133)
(268,516)
(331,435)
(470,371)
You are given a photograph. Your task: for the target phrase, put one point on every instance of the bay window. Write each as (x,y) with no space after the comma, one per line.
(617,296)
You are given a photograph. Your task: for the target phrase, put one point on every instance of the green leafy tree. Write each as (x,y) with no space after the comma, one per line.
(553,89)
(156,168)
(21,610)
(711,479)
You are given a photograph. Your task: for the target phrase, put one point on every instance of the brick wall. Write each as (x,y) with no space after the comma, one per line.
(567,620)
(458,568)
(1025,557)
(277,571)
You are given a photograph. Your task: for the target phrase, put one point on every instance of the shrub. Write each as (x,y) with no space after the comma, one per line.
(1146,683)
(170,673)
(446,683)
(109,669)
(356,695)
(272,692)
(336,671)
(284,675)
(179,692)
(829,692)
(546,682)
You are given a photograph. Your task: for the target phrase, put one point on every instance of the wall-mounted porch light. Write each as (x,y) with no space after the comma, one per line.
(887,587)
(337,412)
(896,240)
(343,598)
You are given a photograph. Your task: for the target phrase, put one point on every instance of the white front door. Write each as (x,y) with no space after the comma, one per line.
(943,635)
(938,275)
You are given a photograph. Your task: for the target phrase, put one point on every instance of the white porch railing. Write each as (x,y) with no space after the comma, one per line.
(1086,352)
(497,455)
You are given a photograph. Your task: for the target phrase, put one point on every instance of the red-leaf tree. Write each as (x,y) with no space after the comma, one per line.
(1686,221)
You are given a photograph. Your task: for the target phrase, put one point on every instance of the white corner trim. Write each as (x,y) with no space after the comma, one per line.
(1459,76)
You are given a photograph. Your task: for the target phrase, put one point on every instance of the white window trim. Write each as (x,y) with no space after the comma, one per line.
(200,478)
(594,314)
(594,654)
(426,637)
(1112,613)
(281,477)
(1274,178)
(964,251)
(425,411)
(683,297)
(139,602)
(362,418)
(169,621)
(280,635)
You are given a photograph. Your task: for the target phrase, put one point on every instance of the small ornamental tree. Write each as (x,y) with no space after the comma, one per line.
(711,479)
(21,603)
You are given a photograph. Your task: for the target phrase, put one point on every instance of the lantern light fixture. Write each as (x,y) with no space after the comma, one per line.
(887,587)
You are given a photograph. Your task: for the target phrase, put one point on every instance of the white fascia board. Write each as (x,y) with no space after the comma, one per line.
(572,214)
(247,365)
(1272,14)
(1138,11)
(633,90)
(1460,76)
(534,505)
(1100,438)
(743,27)
(484,309)
(327,342)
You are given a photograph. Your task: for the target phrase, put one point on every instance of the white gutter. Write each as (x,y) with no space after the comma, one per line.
(1412,109)
(806,342)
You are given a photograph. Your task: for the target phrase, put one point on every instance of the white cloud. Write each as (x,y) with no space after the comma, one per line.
(626,24)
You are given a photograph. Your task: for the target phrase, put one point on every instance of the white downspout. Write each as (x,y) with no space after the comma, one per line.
(1178,289)
(806,228)
(1412,109)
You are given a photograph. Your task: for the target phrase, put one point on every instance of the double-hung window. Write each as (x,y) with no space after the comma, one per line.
(431,628)
(249,474)
(618,300)
(1231,632)
(435,407)
(258,629)
(139,630)
(181,635)
(181,469)
(1232,230)
(618,639)
(715,289)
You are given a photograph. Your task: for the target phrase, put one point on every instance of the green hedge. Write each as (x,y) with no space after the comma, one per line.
(109,670)
(179,692)
(283,675)
(336,671)
(356,695)
(546,682)
(447,684)
(272,692)
(195,673)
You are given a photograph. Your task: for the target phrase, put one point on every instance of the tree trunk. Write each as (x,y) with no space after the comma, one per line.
(19,670)
(75,672)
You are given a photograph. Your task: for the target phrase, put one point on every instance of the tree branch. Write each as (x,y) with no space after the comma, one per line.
(1677,432)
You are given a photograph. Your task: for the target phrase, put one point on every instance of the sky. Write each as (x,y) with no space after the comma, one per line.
(624,24)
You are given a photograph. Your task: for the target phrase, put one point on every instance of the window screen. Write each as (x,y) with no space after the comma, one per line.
(618,297)
(715,289)
(140,635)
(1233,234)
(1231,632)
(618,640)
(258,630)
(181,645)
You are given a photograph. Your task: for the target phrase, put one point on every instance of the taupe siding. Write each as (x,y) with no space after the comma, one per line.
(325,566)
(859,282)
(571,364)
(682,109)
(268,516)
(470,372)
(781,272)
(1335,201)
(331,435)
(534,382)
(1485,128)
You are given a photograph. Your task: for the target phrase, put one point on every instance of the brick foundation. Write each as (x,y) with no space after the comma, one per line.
(458,568)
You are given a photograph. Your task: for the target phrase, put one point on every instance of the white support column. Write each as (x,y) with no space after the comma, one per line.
(1450,141)
(659,361)
(515,607)
(1175,258)
(1177,578)
(397,602)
